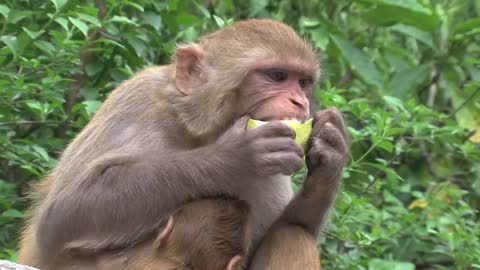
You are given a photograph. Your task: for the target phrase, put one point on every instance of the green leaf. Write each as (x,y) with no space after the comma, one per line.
(63,22)
(359,61)
(93,68)
(33,34)
(422,36)
(409,12)
(12,213)
(4,10)
(134,5)
(467,26)
(36,106)
(394,102)
(59,4)
(190,34)
(11,43)
(256,6)
(152,19)
(380,264)
(383,142)
(309,22)
(219,21)
(110,41)
(45,47)
(405,82)
(123,19)
(89,19)
(137,44)
(469,115)
(91,106)
(187,19)
(320,37)
(203,10)
(386,145)
(41,152)
(80,25)
(31,169)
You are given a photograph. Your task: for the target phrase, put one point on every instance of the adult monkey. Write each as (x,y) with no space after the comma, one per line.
(175,133)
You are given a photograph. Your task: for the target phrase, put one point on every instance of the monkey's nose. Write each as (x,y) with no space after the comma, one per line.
(298,103)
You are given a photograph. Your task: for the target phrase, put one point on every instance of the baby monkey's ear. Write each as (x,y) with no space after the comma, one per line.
(162,238)
(234,263)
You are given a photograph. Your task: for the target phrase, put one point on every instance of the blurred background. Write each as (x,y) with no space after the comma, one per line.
(405,74)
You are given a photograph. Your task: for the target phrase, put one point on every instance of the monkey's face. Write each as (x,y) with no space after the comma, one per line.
(276,93)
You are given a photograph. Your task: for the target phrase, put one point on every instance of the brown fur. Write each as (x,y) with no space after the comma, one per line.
(206,235)
(176,133)
(289,247)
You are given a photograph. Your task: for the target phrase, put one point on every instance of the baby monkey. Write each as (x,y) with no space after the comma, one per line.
(208,234)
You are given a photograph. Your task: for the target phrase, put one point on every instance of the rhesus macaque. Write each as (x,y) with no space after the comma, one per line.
(176,133)
(210,234)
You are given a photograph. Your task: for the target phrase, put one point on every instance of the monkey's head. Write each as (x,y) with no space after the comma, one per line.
(260,68)
(209,234)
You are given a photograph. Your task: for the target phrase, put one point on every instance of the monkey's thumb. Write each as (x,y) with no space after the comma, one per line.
(240,125)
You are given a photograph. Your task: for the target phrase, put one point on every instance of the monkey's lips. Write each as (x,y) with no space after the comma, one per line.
(302,130)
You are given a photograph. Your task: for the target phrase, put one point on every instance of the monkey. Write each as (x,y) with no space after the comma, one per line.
(176,132)
(207,234)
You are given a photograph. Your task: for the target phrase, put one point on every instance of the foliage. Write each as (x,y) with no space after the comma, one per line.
(406,75)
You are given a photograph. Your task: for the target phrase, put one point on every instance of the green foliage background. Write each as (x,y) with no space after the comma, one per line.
(405,73)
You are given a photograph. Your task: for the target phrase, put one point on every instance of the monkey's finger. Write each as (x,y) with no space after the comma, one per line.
(322,153)
(337,120)
(280,144)
(285,163)
(273,129)
(333,136)
(240,125)
(333,116)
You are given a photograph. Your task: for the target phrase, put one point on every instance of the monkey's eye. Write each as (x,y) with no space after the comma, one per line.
(277,75)
(305,82)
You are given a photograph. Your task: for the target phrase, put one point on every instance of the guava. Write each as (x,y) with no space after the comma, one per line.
(302,130)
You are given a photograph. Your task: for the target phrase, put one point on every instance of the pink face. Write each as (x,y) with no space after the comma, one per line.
(276,93)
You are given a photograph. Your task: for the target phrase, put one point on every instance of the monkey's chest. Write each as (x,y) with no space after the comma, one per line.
(267,198)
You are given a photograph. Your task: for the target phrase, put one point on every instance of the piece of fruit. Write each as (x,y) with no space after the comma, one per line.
(302,130)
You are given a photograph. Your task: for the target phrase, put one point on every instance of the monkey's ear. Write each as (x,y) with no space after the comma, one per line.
(234,263)
(162,238)
(187,67)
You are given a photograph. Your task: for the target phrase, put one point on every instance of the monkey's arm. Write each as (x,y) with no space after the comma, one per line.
(310,207)
(325,161)
(121,198)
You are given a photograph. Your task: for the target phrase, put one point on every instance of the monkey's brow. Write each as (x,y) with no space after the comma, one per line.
(303,73)
(287,64)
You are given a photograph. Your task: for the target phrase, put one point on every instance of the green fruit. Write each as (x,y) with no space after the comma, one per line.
(302,130)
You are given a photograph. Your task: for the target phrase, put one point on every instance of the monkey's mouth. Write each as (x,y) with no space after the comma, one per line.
(284,118)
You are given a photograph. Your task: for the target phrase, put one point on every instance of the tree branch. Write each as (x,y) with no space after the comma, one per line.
(26,122)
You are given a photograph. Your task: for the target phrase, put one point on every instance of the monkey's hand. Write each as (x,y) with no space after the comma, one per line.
(329,146)
(265,150)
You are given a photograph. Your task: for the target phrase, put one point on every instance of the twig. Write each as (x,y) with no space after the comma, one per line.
(428,159)
(104,33)
(26,122)
(346,212)
(345,79)
(433,89)
(465,102)
(33,71)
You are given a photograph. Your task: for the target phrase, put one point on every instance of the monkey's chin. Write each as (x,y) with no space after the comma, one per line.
(302,130)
